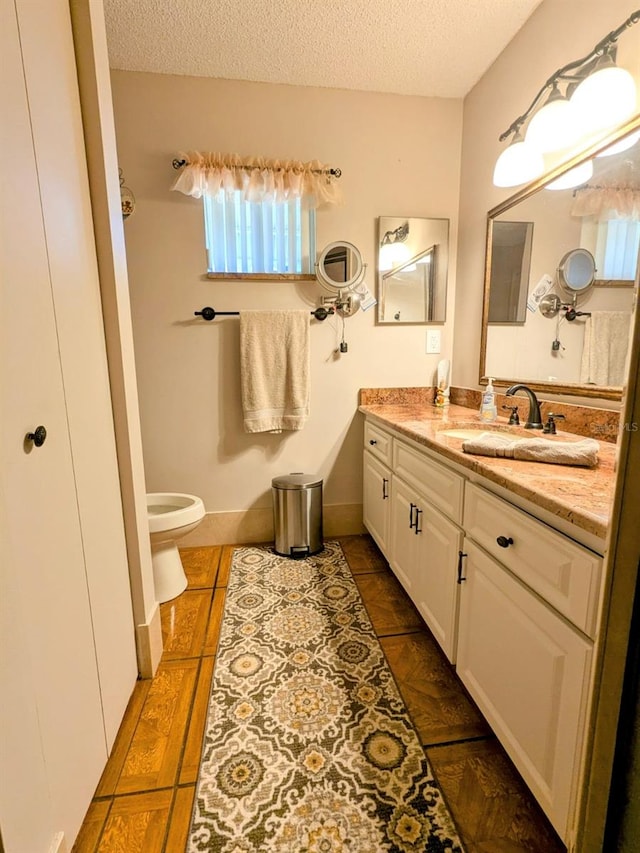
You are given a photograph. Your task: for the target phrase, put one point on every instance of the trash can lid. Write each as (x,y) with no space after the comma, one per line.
(296,480)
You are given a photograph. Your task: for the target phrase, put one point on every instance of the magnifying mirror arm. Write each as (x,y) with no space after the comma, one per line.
(347,300)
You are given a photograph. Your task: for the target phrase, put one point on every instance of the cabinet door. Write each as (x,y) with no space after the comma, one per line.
(528,670)
(405,542)
(376,500)
(436,577)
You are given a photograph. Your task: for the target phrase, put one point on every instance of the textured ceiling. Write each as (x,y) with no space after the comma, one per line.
(412,47)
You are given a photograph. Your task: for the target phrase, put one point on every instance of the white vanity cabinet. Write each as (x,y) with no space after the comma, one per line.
(521,623)
(377,485)
(412,508)
(424,557)
(527,664)
(424,542)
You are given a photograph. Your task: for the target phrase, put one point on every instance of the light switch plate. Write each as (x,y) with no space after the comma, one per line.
(433,341)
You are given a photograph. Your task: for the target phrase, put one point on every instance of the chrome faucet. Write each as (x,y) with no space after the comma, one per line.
(534,420)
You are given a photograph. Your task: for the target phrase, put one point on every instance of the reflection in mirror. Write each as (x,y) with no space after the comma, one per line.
(510,265)
(340,265)
(601,218)
(412,270)
(576,272)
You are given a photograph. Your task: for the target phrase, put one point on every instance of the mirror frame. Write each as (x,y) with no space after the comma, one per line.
(603,392)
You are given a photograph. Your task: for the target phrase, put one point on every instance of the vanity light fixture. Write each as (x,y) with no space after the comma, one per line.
(599,95)
(518,164)
(393,251)
(580,174)
(620,146)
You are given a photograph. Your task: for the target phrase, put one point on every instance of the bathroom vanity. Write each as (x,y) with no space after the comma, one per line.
(503,559)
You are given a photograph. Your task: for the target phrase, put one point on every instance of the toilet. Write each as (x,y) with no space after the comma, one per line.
(171,516)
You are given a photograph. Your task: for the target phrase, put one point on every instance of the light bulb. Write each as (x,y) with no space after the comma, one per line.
(605,98)
(392,255)
(554,126)
(384,258)
(518,164)
(621,145)
(573,178)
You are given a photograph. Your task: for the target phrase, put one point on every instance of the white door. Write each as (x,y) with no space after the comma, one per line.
(42,560)
(376,500)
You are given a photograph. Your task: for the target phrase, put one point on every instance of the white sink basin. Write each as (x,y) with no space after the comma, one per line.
(465,433)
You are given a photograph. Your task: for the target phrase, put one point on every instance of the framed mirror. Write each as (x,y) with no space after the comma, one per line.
(583,254)
(412,270)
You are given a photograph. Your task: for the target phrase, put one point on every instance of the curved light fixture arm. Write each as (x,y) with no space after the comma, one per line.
(561,74)
(398,235)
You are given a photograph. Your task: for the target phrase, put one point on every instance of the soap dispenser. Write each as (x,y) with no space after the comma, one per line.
(488,408)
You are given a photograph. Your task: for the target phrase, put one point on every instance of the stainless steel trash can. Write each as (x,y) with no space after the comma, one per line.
(297,514)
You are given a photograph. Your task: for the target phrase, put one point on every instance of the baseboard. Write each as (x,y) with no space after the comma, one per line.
(58,844)
(149,644)
(256,525)
(342,520)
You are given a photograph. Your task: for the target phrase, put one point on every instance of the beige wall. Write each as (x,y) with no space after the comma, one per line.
(400,156)
(558,32)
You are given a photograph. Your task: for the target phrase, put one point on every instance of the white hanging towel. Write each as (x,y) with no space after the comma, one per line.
(274,369)
(605,347)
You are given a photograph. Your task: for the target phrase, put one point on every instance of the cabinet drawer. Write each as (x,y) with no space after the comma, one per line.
(440,486)
(378,442)
(565,574)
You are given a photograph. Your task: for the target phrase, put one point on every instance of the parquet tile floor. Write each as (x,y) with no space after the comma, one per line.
(144,799)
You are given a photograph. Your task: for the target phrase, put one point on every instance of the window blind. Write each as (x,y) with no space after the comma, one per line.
(258,236)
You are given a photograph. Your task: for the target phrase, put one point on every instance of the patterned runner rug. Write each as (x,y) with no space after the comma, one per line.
(308,745)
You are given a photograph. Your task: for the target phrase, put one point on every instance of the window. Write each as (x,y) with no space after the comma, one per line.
(617,245)
(259,214)
(258,236)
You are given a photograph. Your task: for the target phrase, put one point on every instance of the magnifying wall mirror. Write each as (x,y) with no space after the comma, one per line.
(580,247)
(412,270)
(576,272)
(340,266)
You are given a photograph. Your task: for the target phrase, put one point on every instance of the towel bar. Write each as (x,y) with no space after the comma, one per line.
(571,313)
(210,313)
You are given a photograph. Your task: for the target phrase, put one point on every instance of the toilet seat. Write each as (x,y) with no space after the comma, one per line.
(167,510)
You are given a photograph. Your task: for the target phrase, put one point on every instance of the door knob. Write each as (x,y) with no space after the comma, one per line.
(38,437)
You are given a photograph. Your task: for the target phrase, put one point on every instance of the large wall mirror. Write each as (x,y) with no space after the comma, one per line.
(412,270)
(536,327)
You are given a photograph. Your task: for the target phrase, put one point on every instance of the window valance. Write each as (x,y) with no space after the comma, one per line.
(258,179)
(605,202)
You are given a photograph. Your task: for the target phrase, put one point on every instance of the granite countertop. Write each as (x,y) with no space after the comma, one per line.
(581,496)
